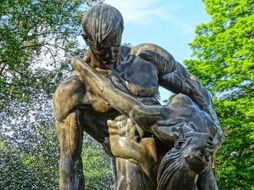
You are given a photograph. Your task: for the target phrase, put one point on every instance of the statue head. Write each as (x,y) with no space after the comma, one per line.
(103,28)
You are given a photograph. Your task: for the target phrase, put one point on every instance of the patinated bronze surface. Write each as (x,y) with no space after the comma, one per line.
(111,96)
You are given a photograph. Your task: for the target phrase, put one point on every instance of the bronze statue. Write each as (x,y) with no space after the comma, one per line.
(111,96)
(76,108)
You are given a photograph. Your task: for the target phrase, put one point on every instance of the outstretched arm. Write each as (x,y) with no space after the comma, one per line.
(143,115)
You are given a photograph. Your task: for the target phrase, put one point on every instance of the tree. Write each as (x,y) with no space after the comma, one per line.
(98,167)
(224,61)
(29,155)
(29,149)
(37,40)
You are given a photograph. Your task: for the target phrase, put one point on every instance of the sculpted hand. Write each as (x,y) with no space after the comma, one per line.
(126,142)
(123,137)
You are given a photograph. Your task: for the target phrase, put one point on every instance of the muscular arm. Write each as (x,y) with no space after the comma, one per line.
(180,81)
(174,77)
(143,115)
(67,97)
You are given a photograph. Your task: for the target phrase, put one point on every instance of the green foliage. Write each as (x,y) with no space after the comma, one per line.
(30,166)
(28,146)
(97,166)
(29,150)
(37,40)
(36,37)
(223,59)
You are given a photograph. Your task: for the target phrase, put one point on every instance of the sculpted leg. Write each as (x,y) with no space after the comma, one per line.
(70,136)
(130,176)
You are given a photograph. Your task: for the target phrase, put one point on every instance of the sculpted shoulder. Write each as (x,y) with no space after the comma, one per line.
(67,97)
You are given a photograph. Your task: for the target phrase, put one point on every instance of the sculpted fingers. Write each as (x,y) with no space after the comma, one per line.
(113,130)
(122,126)
(116,128)
(120,118)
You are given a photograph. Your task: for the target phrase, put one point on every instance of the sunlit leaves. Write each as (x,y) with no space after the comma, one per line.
(31,31)
(97,166)
(223,58)
(37,40)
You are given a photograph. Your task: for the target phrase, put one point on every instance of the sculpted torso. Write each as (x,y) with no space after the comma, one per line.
(111,96)
(137,79)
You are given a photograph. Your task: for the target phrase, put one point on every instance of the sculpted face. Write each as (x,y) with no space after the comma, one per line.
(107,52)
(103,26)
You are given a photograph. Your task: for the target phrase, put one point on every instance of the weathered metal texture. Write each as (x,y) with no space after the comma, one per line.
(111,96)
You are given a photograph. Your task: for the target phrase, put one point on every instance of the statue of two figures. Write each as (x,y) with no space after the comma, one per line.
(111,95)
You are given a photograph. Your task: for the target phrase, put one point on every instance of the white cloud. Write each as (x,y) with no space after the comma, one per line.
(142,11)
(133,10)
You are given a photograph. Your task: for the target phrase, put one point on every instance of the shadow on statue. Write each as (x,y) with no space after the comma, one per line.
(111,95)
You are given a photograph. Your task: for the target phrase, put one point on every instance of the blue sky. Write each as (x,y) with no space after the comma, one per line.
(167,23)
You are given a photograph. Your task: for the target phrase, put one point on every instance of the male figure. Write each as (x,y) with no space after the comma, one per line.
(78,108)
(187,164)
